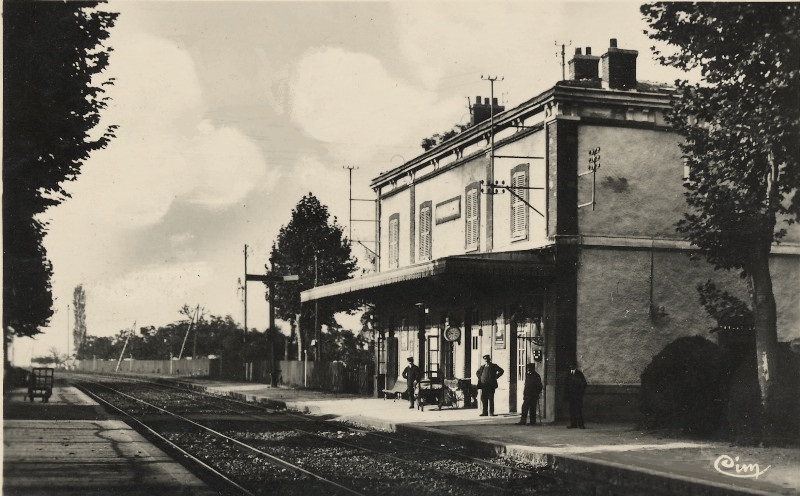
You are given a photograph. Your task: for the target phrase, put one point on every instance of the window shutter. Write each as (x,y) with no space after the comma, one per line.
(425,233)
(472,227)
(394,241)
(519,210)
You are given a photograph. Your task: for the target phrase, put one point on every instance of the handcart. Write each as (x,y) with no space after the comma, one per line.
(40,384)
(440,392)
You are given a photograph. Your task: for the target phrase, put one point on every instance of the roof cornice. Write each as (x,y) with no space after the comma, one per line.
(560,93)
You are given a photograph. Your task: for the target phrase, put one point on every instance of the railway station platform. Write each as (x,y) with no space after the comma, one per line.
(617,453)
(68,446)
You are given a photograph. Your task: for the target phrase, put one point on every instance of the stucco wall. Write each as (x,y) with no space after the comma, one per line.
(530,146)
(617,337)
(639,186)
(639,190)
(448,237)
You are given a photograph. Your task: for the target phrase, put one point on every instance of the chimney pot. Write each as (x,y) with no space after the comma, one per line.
(494,102)
(478,100)
(583,66)
(619,67)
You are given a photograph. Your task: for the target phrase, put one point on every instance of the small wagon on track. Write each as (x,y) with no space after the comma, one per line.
(40,384)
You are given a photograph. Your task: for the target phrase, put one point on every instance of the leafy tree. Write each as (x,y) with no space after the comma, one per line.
(439,138)
(317,251)
(79,310)
(342,345)
(740,126)
(54,358)
(52,98)
(95,347)
(723,306)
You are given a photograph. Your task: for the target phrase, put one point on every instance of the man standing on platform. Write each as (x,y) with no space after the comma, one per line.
(412,375)
(488,373)
(576,385)
(530,395)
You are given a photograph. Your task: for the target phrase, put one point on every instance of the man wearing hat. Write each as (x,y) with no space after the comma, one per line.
(412,375)
(576,385)
(530,394)
(488,373)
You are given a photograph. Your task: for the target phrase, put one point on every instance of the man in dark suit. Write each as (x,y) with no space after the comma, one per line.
(488,373)
(576,385)
(530,394)
(412,375)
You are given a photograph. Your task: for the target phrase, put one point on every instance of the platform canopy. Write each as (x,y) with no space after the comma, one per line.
(448,272)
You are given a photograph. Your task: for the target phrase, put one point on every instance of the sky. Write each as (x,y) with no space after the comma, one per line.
(229,112)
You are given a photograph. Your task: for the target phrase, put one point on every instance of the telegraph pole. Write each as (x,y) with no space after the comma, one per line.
(317,354)
(67,333)
(563,59)
(350,169)
(490,172)
(350,201)
(244,289)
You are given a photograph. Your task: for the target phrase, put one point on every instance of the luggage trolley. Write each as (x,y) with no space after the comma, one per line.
(40,384)
(440,392)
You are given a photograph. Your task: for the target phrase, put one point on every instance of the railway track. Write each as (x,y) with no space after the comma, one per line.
(245,448)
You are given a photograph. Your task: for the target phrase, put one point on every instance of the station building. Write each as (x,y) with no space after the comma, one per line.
(546,233)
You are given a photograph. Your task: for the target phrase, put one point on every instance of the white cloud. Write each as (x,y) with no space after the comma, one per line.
(225,166)
(164,150)
(134,297)
(349,101)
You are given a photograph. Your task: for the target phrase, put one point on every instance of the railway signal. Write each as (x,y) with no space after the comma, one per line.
(269,280)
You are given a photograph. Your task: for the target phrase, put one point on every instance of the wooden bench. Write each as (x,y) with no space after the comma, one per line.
(399,390)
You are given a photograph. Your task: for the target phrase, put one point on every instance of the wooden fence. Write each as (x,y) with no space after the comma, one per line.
(325,376)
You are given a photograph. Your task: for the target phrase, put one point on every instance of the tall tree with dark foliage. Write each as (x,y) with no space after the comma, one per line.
(53,53)
(315,249)
(740,124)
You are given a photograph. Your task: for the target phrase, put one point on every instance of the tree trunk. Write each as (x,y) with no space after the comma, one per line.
(766,332)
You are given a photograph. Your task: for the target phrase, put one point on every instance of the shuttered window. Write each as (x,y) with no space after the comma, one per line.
(472,218)
(519,208)
(425,232)
(394,241)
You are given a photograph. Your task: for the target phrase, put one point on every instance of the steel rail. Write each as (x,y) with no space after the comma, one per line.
(169,443)
(477,461)
(272,458)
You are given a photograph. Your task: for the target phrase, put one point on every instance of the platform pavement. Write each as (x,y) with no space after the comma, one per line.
(616,453)
(68,447)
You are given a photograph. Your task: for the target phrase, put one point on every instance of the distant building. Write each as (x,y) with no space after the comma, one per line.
(555,263)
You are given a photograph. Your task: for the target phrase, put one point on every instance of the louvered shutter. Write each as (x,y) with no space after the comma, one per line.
(394,242)
(425,233)
(471,217)
(519,210)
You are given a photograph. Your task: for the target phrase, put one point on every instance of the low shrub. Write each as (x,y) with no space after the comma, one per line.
(683,387)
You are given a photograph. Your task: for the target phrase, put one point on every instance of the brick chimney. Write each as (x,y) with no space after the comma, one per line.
(619,67)
(481,111)
(584,66)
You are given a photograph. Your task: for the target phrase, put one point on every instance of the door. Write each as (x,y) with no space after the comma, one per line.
(432,364)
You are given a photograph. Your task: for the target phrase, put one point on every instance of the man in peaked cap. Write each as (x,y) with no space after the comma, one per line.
(412,375)
(530,394)
(488,373)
